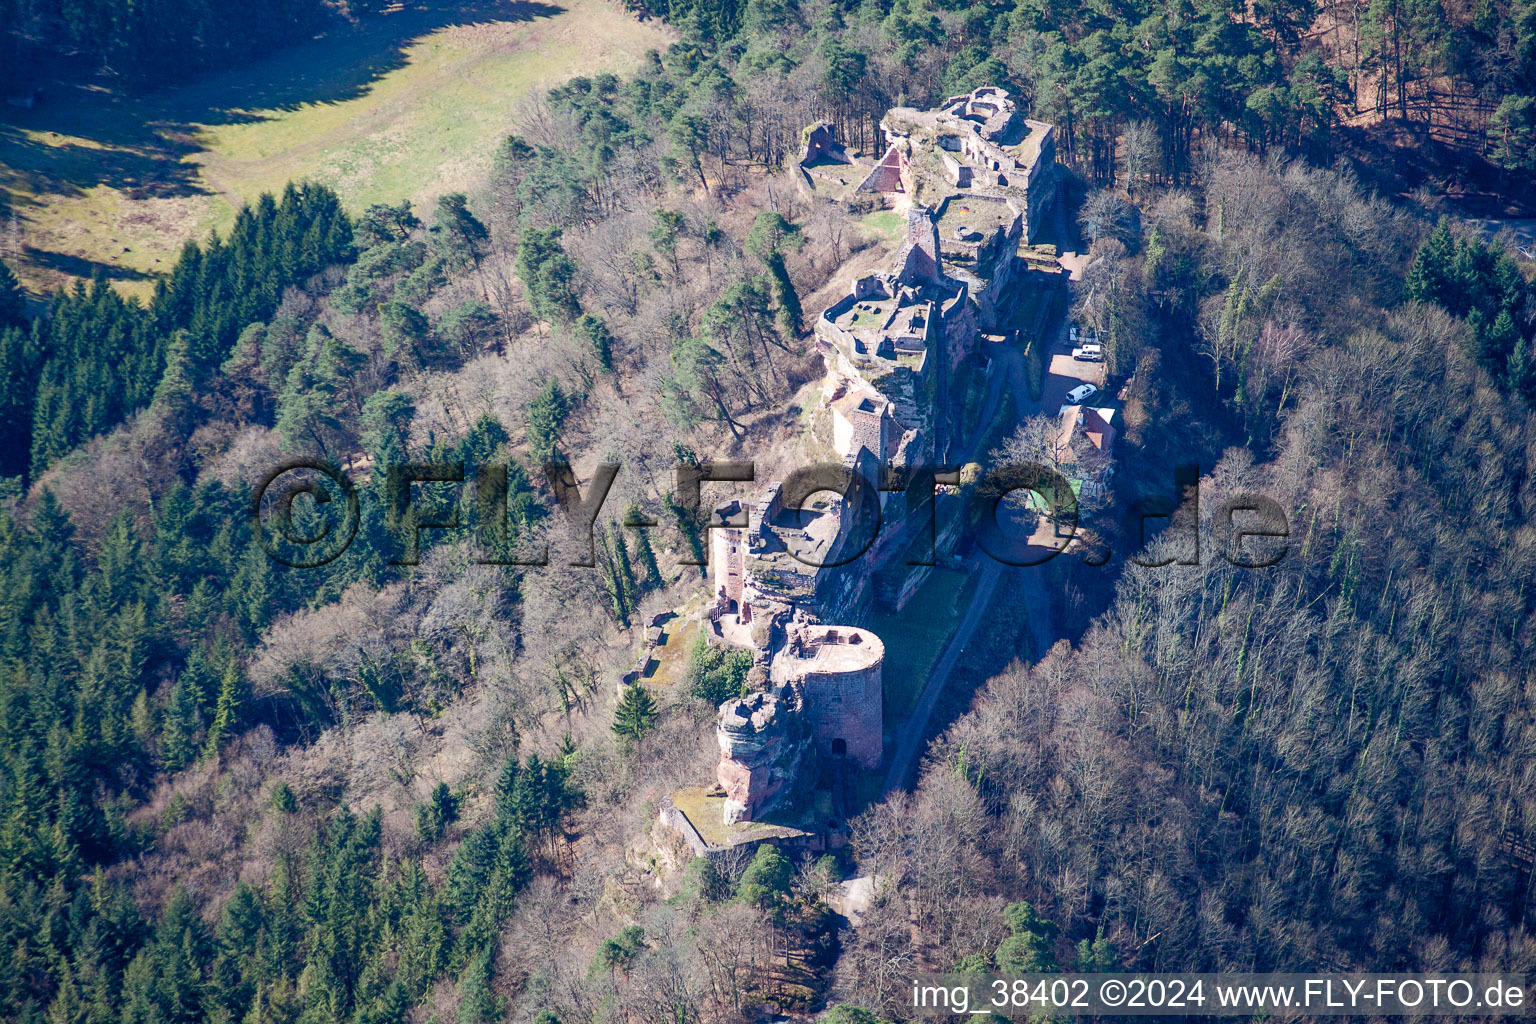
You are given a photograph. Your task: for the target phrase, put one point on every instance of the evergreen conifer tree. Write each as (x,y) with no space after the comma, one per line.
(548,274)
(594,331)
(545,415)
(13,301)
(647,556)
(635,715)
(1430,274)
(178,733)
(226,712)
(624,571)
(477,1000)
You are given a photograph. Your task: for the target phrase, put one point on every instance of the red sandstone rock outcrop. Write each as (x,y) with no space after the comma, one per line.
(763,741)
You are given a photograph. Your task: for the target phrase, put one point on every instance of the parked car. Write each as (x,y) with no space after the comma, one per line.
(1081,393)
(1088,354)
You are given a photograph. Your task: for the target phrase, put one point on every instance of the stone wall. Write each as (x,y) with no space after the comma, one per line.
(891,174)
(821,143)
(845,710)
(727,553)
(837,671)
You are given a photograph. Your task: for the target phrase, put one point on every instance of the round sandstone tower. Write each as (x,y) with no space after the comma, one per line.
(837,669)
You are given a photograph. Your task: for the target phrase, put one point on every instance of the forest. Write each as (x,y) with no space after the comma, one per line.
(1320,763)
(148,44)
(379,792)
(1146,79)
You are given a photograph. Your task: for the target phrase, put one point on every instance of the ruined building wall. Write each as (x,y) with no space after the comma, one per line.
(920,256)
(891,174)
(1042,185)
(821,143)
(837,672)
(726,555)
(847,707)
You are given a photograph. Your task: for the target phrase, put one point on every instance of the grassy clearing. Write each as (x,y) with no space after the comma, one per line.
(707,814)
(888,224)
(672,658)
(407,106)
(916,636)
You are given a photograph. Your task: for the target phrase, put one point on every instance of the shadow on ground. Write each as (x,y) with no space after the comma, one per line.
(86,134)
(79,266)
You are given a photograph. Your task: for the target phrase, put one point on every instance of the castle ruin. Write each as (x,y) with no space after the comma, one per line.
(974,180)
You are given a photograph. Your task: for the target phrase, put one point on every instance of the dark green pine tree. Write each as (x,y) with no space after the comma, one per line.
(549,275)
(546,413)
(482,442)
(19,366)
(13,301)
(1028,949)
(312,399)
(1497,343)
(470,870)
(283,800)
(174,400)
(1431,275)
(386,422)
(536,798)
(636,714)
(253,593)
(510,874)
(52,426)
(477,999)
(668,227)
(624,571)
(52,536)
(770,236)
(165,982)
(459,230)
(404,330)
(1096,957)
(766,882)
(235,973)
(178,733)
(1522,372)
(592,329)
(178,554)
(787,312)
(506,784)
(226,711)
(518,803)
(435,814)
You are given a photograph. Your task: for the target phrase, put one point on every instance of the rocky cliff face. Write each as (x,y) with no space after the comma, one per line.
(763,741)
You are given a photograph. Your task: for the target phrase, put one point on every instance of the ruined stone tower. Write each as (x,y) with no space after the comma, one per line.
(919,259)
(836,670)
(827,692)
